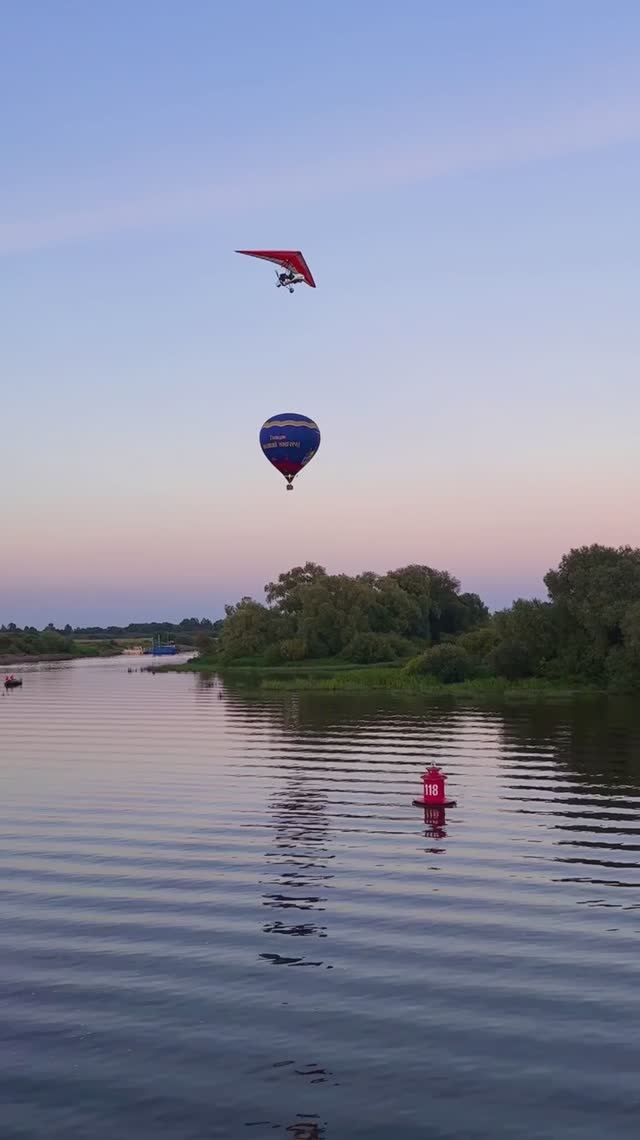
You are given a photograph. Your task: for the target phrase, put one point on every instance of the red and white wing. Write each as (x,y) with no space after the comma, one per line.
(288,258)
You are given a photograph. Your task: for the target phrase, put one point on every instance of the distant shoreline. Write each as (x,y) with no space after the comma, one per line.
(25,658)
(35,658)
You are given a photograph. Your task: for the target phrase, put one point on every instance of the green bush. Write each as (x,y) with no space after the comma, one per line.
(272,655)
(292,649)
(448,662)
(479,642)
(369,648)
(622,669)
(512,660)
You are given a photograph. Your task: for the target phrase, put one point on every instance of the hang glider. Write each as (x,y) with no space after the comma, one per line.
(295,270)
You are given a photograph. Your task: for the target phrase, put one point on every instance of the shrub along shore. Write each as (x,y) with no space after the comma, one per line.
(338,678)
(413,630)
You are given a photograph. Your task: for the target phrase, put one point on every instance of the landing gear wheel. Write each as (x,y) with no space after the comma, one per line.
(291,288)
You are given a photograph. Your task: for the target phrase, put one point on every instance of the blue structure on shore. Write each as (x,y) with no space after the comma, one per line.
(160,650)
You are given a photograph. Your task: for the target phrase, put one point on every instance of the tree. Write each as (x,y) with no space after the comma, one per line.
(331,614)
(631,631)
(593,590)
(248,629)
(367,648)
(285,593)
(511,659)
(527,639)
(623,661)
(333,609)
(391,609)
(442,609)
(594,586)
(53,642)
(474,612)
(292,649)
(206,645)
(416,582)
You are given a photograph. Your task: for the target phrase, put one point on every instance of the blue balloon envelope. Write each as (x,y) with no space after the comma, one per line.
(289,441)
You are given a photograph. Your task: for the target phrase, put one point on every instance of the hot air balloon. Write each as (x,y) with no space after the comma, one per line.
(289,441)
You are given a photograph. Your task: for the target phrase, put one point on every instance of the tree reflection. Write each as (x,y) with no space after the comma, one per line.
(576,767)
(298,863)
(594,741)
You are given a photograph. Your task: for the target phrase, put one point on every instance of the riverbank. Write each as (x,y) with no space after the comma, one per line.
(78,654)
(336,676)
(27,658)
(393,680)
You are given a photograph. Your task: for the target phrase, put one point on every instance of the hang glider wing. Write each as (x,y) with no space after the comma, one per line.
(288,258)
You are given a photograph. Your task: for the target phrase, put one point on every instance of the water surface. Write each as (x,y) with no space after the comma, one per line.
(222,917)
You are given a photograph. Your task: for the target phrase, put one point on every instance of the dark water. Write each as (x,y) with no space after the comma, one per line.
(220,915)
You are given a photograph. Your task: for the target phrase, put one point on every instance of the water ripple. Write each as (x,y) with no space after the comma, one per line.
(222,916)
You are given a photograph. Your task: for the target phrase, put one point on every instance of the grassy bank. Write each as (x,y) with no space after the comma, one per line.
(78,651)
(28,658)
(396,680)
(96,649)
(325,667)
(370,677)
(336,676)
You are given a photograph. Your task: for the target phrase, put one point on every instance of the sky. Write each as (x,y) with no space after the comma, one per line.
(463,180)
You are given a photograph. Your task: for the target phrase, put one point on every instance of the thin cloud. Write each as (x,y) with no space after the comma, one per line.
(591,128)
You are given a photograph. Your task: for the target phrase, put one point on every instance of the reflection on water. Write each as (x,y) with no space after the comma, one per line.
(165,842)
(435,822)
(298,865)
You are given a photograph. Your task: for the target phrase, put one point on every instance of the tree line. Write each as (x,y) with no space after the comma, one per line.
(185,631)
(30,642)
(587,630)
(68,640)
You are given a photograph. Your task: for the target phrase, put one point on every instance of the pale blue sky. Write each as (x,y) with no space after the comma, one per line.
(463,179)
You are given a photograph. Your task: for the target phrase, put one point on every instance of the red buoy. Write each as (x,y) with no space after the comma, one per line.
(433,790)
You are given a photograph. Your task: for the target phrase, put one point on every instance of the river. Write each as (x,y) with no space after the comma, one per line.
(222,917)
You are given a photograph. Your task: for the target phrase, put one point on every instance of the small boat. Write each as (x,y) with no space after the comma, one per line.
(161,648)
(12,682)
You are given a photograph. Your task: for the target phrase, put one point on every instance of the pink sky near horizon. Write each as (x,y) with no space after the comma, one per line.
(499,535)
